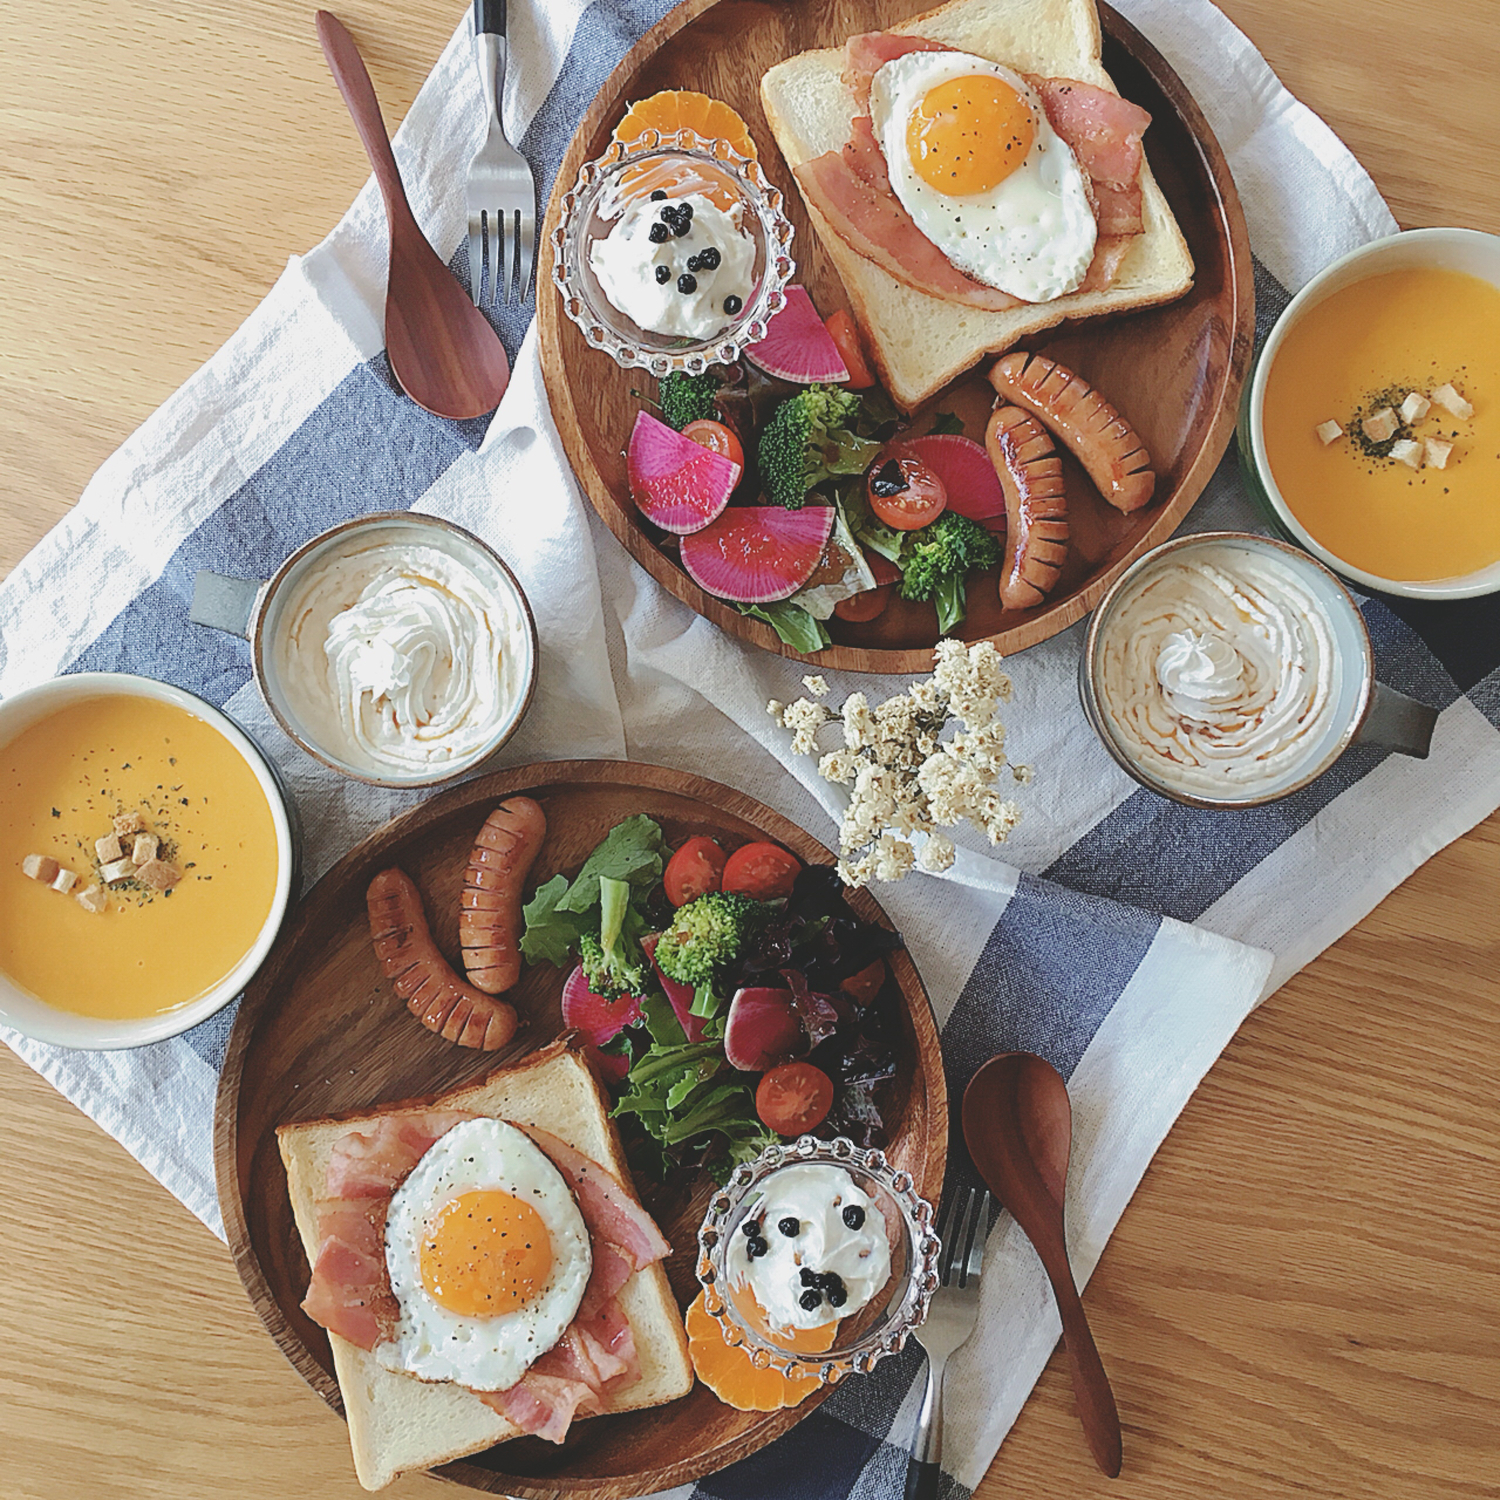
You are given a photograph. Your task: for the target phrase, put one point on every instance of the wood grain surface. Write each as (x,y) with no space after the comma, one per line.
(1174,371)
(1302,1297)
(316,1036)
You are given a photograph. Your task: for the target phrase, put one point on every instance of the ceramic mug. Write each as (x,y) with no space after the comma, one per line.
(256,609)
(1363,710)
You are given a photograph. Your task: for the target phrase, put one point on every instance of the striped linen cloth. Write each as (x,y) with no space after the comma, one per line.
(1122,936)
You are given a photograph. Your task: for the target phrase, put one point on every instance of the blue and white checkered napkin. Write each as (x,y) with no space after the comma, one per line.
(1076,945)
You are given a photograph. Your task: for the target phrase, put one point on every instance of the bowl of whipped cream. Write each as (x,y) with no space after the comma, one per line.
(397,648)
(1229,670)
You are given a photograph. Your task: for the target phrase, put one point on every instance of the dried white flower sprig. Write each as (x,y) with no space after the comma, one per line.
(906,782)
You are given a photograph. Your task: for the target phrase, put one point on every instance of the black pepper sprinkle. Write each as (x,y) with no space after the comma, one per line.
(732,304)
(663,275)
(687,284)
(658,234)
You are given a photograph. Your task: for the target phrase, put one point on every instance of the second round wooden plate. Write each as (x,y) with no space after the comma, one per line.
(1174,371)
(320,1032)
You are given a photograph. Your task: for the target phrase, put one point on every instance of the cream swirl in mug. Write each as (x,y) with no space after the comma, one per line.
(397,658)
(1218,672)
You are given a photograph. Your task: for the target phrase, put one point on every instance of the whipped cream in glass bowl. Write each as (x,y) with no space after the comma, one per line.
(671,252)
(1228,670)
(397,648)
(813,1233)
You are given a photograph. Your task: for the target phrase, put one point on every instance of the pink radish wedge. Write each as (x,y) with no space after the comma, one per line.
(757,554)
(966,471)
(797,346)
(679,995)
(676,484)
(600,1020)
(762,1030)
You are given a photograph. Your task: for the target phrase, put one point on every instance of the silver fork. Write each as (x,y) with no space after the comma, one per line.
(502,192)
(950,1321)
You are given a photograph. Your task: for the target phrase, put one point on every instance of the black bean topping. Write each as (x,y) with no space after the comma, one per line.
(694,264)
(809,1276)
(750,1228)
(830,1279)
(659,196)
(710,258)
(837,1296)
(732,304)
(754,1249)
(687,284)
(663,275)
(854,1216)
(658,234)
(685,209)
(810,1299)
(682,227)
(790,1227)
(888,480)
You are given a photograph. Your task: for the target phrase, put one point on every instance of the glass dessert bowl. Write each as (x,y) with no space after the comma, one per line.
(818,1258)
(670,252)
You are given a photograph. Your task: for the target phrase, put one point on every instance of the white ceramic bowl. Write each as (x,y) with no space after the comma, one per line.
(22,1011)
(1467,250)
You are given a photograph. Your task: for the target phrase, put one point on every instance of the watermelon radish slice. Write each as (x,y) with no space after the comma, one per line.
(966,471)
(762,1030)
(797,347)
(600,1020)
(757,554)
(679,995)
(676,484)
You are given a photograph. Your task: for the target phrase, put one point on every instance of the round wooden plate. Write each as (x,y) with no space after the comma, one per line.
(1174,371)
(320,1033)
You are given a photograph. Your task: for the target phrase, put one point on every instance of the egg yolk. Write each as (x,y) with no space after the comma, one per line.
(485,1253)
(969,134)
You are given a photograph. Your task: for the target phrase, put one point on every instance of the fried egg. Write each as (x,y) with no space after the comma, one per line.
(974,161)
(488,1256)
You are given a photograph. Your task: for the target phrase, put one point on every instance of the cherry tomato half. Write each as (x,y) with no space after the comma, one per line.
(717,438)
(846,339)
(859,608)
(693,871)
(905,493)
(764,871)
(793,1098)
(863,987)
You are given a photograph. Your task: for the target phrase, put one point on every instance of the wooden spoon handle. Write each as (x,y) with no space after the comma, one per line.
(353,78)
(1091,1388)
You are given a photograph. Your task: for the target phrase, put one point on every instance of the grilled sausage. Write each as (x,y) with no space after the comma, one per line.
(489,918)
(420,974)
(1101,439)
(1036,505)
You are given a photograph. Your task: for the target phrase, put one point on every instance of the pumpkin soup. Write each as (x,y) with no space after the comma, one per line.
(1382,427)
(126,763)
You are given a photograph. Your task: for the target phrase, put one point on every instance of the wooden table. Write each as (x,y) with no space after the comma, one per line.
(1302,1298)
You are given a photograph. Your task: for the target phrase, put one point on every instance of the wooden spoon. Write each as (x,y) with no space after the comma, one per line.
(1018,1126)
(442,349)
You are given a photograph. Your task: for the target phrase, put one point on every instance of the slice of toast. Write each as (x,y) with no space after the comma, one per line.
(920,342)
(398,1423)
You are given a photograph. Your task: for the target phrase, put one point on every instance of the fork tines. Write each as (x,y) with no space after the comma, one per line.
(502,248)
(965,1225)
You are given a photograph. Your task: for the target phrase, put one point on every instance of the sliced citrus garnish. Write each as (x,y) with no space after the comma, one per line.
(680,109)
(727,1371)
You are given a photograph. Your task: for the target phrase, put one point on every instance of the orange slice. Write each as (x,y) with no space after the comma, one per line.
(727,1371)
(680,109)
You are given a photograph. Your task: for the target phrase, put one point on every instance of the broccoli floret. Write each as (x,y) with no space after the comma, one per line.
(613,962)
(937,559)
(707,934)
(809,438)
(688,398)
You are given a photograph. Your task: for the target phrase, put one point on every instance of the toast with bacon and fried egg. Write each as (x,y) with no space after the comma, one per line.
(1044,189)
